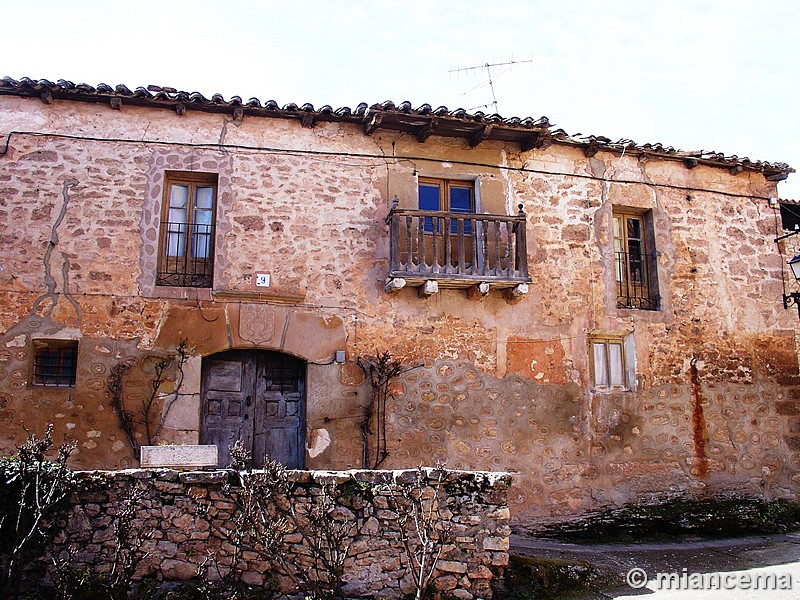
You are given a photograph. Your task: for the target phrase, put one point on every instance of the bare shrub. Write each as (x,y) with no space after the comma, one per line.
(424,530)
(143,420)
(381,370)
(327,530)
(34,489)
(255,528)
(113,577)
(265,525)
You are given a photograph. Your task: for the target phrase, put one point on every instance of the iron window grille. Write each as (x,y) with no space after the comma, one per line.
(55,363)
(635,265)
(186,243)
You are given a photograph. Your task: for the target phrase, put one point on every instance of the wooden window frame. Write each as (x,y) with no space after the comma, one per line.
(60,369)
(607,339)
(633,293)
(445,186)
(187,270)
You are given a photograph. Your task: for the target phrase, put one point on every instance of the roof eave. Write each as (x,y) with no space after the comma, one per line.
(422,122)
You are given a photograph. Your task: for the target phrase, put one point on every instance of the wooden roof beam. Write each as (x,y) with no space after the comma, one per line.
(481,135)
(372,122)
(778,176)
(427,130)
(535,140)
(307,120)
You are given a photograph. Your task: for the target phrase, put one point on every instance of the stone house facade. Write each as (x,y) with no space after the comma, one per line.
(601,319)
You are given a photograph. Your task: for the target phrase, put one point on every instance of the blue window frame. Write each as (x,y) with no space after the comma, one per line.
(447,196)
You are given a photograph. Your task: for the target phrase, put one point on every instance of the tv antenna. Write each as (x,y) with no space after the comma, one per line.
(488,66)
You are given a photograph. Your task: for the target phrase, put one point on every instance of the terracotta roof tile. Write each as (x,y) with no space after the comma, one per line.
(476,127)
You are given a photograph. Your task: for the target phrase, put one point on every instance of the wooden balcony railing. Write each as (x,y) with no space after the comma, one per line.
(457,249)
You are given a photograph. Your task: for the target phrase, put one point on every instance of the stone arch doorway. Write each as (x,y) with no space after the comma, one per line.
(258,397)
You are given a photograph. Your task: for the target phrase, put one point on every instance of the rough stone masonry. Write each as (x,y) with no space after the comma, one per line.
(185,519)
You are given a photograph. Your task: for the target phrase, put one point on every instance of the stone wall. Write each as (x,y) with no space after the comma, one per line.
(190,516)
(499,384)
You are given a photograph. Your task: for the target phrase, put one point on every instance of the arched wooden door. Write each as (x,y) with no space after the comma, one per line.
(257,397)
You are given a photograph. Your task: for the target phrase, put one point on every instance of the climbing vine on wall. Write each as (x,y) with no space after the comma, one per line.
(381,370)
(144,421)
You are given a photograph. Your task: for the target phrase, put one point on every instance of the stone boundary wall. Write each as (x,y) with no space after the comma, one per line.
(182,518)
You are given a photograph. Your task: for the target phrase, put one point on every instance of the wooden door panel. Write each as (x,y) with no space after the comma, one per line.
(280,427)
(257,397)
(227,388)
(226,375)
(282,440)
(292,407)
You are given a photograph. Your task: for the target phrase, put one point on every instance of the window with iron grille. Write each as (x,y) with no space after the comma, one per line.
(635,265)
(283,373)
(186,242)
(55,363)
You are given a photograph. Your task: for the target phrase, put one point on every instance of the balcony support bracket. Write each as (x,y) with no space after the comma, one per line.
(518,291)
(429,288)
(478,291)
(394,284)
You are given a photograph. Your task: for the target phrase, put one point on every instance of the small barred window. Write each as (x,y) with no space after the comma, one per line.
(55,363)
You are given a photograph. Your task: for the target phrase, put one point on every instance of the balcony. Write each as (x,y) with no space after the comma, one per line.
(636,283)
(186,256)
(457,250)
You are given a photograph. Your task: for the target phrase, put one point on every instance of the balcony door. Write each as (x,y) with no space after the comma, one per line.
(257,397)
(186,246)
(636,282)
(446,195)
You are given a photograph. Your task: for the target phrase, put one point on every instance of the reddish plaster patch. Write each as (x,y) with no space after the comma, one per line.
(539,360)
(351,374)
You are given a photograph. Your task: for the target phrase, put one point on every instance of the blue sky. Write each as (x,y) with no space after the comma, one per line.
(715,75)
